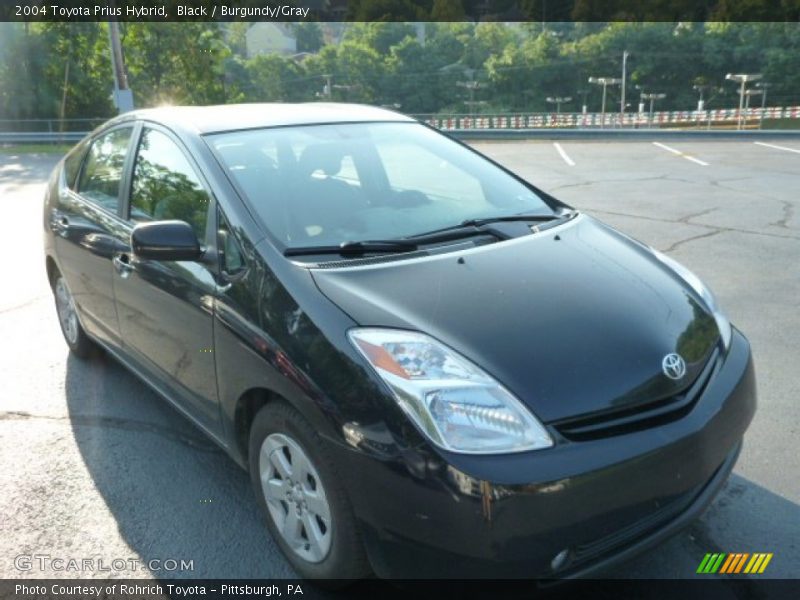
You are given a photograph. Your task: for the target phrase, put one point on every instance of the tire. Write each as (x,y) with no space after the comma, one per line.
(80,344)
(304,489)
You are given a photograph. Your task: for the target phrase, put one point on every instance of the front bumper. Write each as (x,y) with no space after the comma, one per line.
(437,515)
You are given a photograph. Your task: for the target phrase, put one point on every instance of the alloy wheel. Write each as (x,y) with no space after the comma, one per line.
(67,315)
(295,497)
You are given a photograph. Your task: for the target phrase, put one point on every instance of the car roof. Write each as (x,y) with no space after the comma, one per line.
(231,117)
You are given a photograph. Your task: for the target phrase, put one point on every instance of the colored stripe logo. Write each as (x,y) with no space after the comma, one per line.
(737,562)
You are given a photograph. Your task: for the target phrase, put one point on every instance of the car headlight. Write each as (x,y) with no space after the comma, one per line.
(723,323)
(456,404)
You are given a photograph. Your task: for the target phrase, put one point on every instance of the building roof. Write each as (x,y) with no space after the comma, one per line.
(229,117)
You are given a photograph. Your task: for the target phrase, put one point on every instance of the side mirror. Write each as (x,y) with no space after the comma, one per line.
(165,240)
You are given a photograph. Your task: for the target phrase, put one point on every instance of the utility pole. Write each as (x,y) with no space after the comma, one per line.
(625,56)
(64,93)
(123,96)
(742,79)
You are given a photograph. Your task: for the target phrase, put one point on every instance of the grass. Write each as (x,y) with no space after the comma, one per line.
(35,148)
(781,124)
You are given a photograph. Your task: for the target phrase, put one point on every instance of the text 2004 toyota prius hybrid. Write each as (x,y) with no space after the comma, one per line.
(430,367)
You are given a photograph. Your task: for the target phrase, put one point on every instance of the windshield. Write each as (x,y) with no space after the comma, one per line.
(321,185)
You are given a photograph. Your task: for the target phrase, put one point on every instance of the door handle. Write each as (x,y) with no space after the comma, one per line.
(122,263)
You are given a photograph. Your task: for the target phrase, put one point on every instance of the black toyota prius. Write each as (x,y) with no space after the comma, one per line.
(429,366)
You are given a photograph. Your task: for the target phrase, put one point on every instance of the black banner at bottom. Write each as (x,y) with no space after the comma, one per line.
(705,588)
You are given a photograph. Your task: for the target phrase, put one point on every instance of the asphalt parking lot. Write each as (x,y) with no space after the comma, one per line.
(93,464)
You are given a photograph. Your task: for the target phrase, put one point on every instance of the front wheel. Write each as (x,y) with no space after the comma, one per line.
(77,340)
(306,508)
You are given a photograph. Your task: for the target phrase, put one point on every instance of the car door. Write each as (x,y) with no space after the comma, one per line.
(87,226)
(165,308)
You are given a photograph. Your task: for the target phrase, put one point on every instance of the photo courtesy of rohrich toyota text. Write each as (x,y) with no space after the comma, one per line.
(399,298)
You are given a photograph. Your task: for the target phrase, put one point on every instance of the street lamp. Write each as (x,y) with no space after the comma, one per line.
(747,94)
(558,101)
(764,86)
(605,82)
(652,98)
(625,56)
(742,79)
(471,86)
(701,88)
(583,93)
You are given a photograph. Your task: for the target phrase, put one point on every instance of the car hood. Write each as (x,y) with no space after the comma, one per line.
(573,320)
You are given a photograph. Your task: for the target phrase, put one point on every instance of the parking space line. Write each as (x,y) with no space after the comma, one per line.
(563,154)
(681,154)
(778,147)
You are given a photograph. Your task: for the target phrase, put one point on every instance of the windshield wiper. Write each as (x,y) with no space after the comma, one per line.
(472,227)
(509,218)
(468,228)
(355,248)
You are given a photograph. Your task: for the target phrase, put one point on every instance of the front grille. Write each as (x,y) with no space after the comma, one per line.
(582,553)
(642,416)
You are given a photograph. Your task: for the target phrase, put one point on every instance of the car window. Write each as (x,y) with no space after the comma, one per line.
(231,259)
(165,185)
(326,184)
(438,177)
(72,165)
(102,171)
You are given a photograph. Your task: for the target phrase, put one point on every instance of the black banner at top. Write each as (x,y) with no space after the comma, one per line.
(401,10)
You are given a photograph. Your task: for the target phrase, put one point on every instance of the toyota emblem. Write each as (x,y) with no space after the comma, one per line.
(673,366)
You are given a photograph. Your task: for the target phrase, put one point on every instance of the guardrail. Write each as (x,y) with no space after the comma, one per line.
(750,117)
(46,131)
(497,126)
(41,137)
(619,135)
(50,125)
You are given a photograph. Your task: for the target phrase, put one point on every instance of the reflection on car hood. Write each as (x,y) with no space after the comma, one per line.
(573,320)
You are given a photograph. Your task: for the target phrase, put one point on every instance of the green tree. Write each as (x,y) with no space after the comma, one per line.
(309,36)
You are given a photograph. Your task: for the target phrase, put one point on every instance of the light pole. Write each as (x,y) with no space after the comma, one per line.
(558,101)
(471,86)
(625,55)
(747,94)
(701,89)
(652,98)
(583,94)
(742,79)
(605,82)
(764,86)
